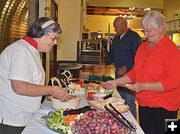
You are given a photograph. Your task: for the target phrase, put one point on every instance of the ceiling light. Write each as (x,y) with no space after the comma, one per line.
(131,8)
(147,9)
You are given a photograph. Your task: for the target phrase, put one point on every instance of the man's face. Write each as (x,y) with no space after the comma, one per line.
(119,27)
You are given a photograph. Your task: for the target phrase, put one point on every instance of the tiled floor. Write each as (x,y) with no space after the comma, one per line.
(108,71)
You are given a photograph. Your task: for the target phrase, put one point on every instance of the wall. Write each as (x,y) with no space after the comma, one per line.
(46,4)
(103,21)
(70,17)
(171,7)
(70,12)
(99,23)
(135,24)
(42,5)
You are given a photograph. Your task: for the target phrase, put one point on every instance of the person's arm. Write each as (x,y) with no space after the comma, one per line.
(150,86)
(123,80)
(135,43)
(117,82)
(28,89)
(122,70)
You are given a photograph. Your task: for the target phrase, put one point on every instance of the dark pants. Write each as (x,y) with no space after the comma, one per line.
(152,120)
(5,129)
(129,98)
(127,95)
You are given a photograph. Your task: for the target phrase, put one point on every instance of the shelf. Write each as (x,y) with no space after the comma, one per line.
(89,52)
(173,26)
(171,32)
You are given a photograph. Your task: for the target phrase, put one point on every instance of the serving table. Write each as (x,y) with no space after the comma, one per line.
(38,126)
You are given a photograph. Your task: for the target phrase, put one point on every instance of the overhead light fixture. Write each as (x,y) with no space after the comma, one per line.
(124,16)
(134,16)
(127,16)
(147,9)
(131,8)
(117,11)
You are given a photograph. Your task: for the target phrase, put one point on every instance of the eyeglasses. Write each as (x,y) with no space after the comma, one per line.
(146,31)
(53,38)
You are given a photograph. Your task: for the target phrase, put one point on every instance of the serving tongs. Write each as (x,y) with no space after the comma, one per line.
(124,121)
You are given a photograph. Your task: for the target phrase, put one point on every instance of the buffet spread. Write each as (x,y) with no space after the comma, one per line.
(102,116)
(91,110)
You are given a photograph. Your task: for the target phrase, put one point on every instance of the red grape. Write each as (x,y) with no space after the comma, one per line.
(98,122)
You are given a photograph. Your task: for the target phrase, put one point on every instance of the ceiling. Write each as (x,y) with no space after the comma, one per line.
(128,12)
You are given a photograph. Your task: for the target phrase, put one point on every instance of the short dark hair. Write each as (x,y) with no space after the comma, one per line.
(36,30)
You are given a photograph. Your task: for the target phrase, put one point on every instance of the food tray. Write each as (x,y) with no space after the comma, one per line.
(120,106)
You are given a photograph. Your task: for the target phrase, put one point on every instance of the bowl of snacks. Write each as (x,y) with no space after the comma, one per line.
(72,103)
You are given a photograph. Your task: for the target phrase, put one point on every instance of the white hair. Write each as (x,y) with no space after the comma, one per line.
(154,17)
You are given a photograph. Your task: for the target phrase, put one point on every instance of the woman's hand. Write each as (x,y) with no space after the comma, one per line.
(110,84)
(60,94)
(137,87)
(122,70)
(117,82)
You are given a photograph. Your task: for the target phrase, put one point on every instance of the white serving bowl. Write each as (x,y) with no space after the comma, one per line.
(74,103)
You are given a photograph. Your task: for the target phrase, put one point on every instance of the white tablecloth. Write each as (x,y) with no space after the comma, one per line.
(38,126)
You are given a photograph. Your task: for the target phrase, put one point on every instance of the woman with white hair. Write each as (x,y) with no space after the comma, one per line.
(22,76)
(155,76)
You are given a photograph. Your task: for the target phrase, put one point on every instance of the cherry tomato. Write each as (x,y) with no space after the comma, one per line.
(90,95)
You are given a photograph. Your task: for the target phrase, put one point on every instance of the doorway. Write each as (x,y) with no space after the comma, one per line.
(53,52)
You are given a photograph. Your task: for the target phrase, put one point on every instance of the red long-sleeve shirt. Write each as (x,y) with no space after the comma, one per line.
(161,63)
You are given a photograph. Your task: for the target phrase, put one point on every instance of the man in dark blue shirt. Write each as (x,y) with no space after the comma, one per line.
(122,52)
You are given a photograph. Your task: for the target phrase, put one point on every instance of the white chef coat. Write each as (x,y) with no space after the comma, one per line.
(19,61)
